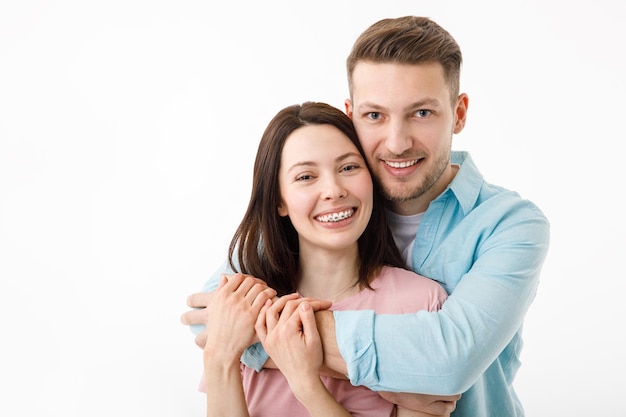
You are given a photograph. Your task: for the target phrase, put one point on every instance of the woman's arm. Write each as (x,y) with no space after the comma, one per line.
(232,313)
(224,394)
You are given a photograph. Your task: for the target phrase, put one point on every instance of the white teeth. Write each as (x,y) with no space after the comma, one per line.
(403,164)
(335,217)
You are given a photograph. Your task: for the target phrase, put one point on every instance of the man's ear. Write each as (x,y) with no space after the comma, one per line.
(460,113)
(348,104)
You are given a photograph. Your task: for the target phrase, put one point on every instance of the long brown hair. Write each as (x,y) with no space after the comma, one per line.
(265,244)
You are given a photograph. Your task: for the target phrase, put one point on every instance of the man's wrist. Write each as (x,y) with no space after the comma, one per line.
(332,357)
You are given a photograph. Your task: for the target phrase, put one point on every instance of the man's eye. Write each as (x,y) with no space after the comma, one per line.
(422,113)
(373,115)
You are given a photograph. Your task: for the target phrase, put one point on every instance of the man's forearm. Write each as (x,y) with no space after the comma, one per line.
(334,365)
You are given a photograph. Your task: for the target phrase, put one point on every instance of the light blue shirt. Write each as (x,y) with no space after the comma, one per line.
(485,245)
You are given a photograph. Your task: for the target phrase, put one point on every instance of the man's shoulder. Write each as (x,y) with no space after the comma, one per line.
(473,192)
(504,200)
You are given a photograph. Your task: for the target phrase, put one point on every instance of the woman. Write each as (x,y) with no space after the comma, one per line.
(310,210)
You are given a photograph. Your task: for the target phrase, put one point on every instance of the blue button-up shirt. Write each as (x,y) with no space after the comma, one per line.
(486,246)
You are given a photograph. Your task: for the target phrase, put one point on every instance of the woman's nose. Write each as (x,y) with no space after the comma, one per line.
(333,189)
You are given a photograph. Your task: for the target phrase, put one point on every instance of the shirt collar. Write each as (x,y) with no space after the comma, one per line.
(467,182)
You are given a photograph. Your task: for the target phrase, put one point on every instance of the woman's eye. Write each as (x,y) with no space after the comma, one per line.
(350,167)
(304,177)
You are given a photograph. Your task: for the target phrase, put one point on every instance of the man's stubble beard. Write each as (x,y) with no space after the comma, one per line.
(402,189)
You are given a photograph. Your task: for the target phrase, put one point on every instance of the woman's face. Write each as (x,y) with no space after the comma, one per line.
(325,187)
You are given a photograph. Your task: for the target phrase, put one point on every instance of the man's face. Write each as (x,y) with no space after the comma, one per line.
(405,122)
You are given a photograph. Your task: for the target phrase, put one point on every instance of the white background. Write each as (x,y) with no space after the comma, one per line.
(127,136)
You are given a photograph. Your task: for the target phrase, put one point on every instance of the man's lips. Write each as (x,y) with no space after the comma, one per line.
(401,164)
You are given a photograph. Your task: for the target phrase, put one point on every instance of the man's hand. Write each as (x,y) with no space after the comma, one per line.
(424,405)
(199,314)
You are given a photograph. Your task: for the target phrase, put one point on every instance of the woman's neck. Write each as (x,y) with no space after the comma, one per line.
(329,275)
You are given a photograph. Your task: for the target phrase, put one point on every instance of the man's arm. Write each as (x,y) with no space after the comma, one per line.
(334,365)
(444,352)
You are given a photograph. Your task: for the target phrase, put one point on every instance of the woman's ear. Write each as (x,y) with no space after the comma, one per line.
(282,210)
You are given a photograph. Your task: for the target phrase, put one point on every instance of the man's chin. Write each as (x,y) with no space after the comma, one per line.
(401,196)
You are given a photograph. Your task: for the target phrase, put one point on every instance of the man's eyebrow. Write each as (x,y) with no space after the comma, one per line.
(312,163)
(430,102)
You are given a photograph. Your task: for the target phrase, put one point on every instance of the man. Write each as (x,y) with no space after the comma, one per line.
(483,243)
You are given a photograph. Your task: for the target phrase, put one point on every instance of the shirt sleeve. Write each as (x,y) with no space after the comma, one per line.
(446,351)
(255,356)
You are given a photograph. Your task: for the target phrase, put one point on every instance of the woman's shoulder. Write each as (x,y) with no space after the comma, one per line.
(404,277)
(407,290)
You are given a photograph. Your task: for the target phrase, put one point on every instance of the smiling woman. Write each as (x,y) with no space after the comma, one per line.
(331,189)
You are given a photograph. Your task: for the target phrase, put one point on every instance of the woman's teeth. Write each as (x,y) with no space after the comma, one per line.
(335,217)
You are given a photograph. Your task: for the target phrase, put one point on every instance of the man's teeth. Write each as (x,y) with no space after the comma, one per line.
(335,217)
(402,164)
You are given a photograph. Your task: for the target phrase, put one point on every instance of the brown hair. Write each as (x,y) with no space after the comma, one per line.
(266,245)
(409,40)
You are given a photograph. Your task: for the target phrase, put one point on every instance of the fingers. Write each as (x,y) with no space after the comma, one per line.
(201,339)
(260,325)
(317,304)
(198,316)
(432,405)
(198,300)
(250,288)
(273,313)
(307,318)
(262,297)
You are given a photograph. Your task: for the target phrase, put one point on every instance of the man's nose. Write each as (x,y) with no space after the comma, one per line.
(398,139)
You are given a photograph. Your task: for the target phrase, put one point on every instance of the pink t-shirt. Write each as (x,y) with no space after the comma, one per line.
(395,291)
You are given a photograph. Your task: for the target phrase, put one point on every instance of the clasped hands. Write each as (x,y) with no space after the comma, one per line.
(237,304)
(243,310)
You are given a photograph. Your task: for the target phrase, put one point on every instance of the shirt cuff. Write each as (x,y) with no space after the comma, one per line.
(355,337)
(254,357)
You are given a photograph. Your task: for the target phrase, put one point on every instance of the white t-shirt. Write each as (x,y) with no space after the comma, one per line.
(404,229)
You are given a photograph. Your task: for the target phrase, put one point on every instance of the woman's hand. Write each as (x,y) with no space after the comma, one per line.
(288,332)
(289,335)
